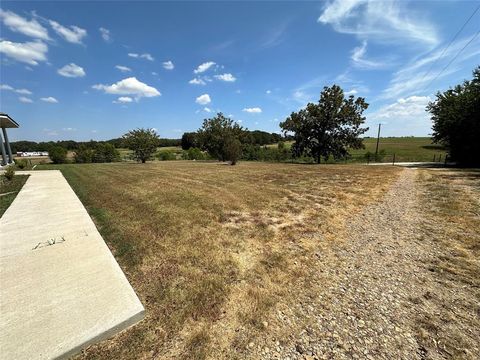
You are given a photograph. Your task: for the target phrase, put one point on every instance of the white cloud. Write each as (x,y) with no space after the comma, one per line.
(129,86)
(74,34)
(351,92)
(21,25)
(359,60)
(254,110)
(384,21)
(405,114)
(29,52)
(208,110)
(23,91)
(69,129)
(25,100)
(18,91)
(49,99)
(105,34)
(203,99)
(154,73)
(71,70)
(123,100)
(197,81)
(168,65)
(268,91)
(417,76)
(146,56)
(123,68)
(226,77)
(204,67)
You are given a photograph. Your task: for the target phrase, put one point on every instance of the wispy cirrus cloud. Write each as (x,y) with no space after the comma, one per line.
(360,60)
(168,65)
(227,77)
(105,33)
(382,21)
(145,56)
(123,68)
(417,75)
(252,110)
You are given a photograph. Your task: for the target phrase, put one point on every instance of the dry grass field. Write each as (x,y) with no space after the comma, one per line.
(289,261)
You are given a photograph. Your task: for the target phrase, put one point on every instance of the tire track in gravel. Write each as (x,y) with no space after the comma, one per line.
(368,309)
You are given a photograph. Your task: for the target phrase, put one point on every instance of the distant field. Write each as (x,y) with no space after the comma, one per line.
(213,250)
(404,148)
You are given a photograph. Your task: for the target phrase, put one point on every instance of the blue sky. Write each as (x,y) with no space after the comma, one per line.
(94,70)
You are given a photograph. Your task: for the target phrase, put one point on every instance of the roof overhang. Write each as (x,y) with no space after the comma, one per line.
(7,122)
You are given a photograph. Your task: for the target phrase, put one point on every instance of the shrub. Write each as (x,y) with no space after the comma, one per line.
(166,155)
(105,152)
(233,150)
(58,154)
(21,163)
(193,154)
(9,173)
(83,155)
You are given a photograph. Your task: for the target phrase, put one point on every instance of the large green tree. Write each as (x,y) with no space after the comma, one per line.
(143,143)
(329,127)
(456,121)
(220,136)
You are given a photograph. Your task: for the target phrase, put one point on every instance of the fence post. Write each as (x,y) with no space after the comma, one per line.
(393,162)
(368,159)
(446,157)
(434,157)
(440,158)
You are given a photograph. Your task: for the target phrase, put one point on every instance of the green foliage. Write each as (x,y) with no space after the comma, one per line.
(263,153)
(57,154)
(232,150)
(166,155)
(370,156)
(189,140)
(456,120)
(193,153)
(9,173)
(105,153)
(143,143)
(21,163)
(218,132)
(328,128)
(83,155)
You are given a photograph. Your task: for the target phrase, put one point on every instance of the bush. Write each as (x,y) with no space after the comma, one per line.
(21,163)
(105,153)
(9,173)
(233,150)
(166,155)
(58,154)
(193,154)
(83,155)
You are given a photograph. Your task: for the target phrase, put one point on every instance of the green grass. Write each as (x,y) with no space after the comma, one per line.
(404,148)
(211,249)
(9,190)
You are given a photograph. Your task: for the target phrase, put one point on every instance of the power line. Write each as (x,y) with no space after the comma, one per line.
(450,43)
(454,58)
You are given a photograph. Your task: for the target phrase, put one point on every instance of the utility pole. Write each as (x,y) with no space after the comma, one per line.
(378,139)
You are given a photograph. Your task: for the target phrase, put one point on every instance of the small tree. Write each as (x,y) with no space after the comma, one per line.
(57,154)
(83,155)
(232,150)
(215,133)
(105,152)
(456,121)
(143,143)
(329,127)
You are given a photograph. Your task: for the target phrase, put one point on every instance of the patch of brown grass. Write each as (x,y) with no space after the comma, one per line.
(213,251)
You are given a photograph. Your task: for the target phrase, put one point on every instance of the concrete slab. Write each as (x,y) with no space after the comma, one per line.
(60,287)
